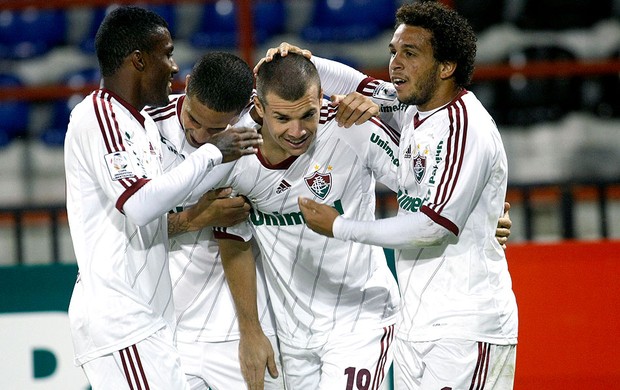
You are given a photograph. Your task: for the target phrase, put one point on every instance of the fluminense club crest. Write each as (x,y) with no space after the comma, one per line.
(419,166)
(319,183)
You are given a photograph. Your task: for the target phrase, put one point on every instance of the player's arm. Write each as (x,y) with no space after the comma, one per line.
(255,351)
(215,208)
(406,231)
(142,204)
(400,232)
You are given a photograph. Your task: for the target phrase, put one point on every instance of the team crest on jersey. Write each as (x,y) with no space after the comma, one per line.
(119,165)
(419,166)
(319,183)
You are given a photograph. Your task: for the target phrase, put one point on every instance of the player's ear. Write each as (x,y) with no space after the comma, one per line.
(446,69)
(186,82)
(137,60)
(260,110)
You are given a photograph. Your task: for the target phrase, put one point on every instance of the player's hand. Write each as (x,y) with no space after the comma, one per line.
(354,108)
(235,142)
(256,353)
(217,208)
(319,217)
(283,49)
(503,226)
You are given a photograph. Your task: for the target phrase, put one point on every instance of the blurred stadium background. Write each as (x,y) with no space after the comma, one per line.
(548,71)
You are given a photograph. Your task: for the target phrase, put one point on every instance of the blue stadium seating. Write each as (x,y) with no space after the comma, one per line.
(349,20)
(32,32)
(13,114)
(54,135)
(219,27)
(87,44)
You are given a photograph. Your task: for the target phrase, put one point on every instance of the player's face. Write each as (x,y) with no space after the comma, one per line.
(201,123)
(414,71)
(289,127)
(160,69)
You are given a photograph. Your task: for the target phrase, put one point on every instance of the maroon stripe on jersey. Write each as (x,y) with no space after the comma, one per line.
(454,156)
(103,110)
(328,112)
(164,117)
(96,101)
(152,111)
(141,369)
(120,203)
(222,234)
(367,86)
(478,380)
(389,131)
(438,219)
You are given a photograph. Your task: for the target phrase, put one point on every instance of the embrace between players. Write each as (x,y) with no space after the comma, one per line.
(276,277)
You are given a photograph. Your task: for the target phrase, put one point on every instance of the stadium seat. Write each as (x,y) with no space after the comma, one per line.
(481,14)
(349,20)
(54,135)
(88,42)
(14,115)
(219,27)
(603,98)
(525,101)
(562,14)
(31,32)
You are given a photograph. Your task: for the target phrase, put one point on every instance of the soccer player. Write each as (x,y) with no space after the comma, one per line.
(458,326)
(218,92)
(121,311)
(335,302)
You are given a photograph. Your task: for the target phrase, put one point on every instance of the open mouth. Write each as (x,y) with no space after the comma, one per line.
(398,81)
(296,143)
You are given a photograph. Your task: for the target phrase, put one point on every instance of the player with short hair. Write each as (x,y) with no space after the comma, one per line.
(121,310)
(335,302)
(217,93)
(458,326)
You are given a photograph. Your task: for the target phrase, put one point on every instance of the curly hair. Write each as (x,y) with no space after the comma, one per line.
(453,38)
(122,31)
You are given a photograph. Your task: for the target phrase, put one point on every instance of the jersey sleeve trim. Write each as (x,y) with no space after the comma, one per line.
(120,203)
(368,86)
(221,234)
(438,219)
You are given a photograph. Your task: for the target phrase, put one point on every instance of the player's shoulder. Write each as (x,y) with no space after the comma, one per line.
(167,111)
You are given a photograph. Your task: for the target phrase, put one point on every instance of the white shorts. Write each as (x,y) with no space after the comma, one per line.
(358,360)
(152,363)
(453,364)
(216,365)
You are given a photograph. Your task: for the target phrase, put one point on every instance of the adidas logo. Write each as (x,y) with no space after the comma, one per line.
(408,152)
(282,187)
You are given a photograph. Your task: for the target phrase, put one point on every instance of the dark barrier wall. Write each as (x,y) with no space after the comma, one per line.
(568,296)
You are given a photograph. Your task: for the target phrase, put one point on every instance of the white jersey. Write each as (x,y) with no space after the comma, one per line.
(204,307)
(452,168)
(321,287)
(123,292)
